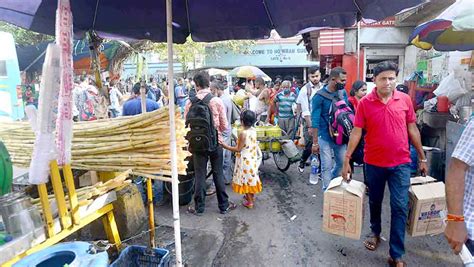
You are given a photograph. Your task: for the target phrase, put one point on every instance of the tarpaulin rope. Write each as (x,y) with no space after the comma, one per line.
(95,13)
(187,16)
(268,13)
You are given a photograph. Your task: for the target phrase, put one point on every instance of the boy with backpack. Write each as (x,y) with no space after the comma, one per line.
(205,115)
(331,120)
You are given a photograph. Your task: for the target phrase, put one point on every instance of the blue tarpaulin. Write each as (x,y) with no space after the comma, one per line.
(204,20)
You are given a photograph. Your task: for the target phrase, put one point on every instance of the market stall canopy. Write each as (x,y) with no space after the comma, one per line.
(451,30)
(31,57)
(249,72)
(205,20)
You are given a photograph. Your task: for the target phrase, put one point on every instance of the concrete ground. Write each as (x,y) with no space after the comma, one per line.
(265,235)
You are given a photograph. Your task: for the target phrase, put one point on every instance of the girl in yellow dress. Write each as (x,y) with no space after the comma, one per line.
(248,155)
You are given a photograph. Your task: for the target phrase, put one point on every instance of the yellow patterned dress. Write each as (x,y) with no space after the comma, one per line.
(246,179)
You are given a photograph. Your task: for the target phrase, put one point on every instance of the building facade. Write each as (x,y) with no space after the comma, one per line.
(275,56)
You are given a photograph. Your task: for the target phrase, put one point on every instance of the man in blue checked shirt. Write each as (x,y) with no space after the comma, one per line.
(460,193)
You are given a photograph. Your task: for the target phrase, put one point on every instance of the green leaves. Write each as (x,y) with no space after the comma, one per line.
(24,37)
(190,53)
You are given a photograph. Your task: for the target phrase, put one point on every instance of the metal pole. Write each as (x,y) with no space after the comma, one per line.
(174,156)
(358,51)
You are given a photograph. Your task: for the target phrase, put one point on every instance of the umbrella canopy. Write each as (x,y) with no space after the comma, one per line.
(214,71)
(451,30)
(249,72)
(205,20)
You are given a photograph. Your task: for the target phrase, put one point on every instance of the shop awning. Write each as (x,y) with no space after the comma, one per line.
(422,13)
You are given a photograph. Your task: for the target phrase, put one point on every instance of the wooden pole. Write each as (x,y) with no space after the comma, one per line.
(173,152)
(151,213)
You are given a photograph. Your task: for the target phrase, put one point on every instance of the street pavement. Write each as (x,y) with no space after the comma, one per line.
(267,235)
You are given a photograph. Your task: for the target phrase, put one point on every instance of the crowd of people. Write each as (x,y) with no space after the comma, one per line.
(342,127)
(324,110)
(118,97)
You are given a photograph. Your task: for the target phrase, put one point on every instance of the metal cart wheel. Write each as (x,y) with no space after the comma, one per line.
(282,162)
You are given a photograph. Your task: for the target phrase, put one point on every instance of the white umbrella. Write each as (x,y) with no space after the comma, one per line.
(214,71)
(249,72)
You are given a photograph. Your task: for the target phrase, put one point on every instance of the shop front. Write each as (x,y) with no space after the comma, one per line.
(358,49)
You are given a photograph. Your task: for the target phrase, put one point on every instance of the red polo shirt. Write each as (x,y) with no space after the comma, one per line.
(386,139)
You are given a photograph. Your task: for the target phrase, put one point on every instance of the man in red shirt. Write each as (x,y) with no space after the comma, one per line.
(388,118)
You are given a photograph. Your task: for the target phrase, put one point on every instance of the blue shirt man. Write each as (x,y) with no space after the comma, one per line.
(134,105)
(323,144)
(181,93)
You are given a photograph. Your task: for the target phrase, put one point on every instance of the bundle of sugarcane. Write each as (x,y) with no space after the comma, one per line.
(140,143)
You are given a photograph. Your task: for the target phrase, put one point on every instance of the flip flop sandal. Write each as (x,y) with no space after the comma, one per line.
(372,243)
(247,204)
(396,263)
(231,207)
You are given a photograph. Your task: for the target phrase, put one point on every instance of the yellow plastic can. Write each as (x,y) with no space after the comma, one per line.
(261,135)
(275,132)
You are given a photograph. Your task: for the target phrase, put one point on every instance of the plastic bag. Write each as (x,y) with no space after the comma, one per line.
(253,103)
(43,152)
(290,150)
(429,105)
(451,87)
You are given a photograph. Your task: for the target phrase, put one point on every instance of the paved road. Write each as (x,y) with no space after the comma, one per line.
(265,236)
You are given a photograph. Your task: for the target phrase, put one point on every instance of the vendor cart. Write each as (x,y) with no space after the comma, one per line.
(274,143)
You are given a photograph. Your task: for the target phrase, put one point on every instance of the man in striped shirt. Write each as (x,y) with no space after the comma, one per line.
(284,104)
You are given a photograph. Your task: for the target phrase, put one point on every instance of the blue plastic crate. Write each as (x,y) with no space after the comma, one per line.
(142,256)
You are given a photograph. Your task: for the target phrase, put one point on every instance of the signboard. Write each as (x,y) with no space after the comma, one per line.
(260,55)
(388,22)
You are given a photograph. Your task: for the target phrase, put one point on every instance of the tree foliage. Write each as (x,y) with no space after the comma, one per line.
(24,37)
(189,52)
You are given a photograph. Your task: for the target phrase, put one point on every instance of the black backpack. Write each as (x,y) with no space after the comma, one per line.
(202,135)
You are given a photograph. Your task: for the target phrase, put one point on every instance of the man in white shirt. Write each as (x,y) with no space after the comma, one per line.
(304,108)
(115,99)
